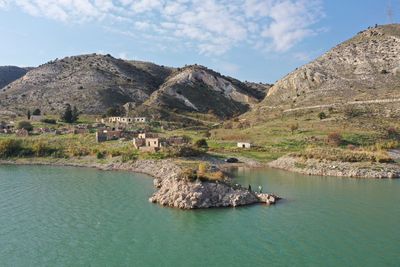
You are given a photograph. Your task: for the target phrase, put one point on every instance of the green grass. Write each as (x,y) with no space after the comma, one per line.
(272,138)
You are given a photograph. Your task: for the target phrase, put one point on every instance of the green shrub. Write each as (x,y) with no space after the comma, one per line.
(100,155)
(40,149)
(25,125)
(201,143)
(10,148)
(36,112)
(130,156)
(322,115)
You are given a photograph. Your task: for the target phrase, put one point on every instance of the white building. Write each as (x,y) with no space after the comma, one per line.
(244,144)
(36,117)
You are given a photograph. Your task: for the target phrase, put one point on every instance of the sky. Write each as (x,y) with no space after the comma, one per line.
(253,40)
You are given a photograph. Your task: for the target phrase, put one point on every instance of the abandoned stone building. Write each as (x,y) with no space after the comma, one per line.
(126,120)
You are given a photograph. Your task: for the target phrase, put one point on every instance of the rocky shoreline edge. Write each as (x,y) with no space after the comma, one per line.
(336,168)
(173,191)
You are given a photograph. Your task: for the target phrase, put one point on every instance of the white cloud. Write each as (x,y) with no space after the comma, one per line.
(291,23)
(213,26)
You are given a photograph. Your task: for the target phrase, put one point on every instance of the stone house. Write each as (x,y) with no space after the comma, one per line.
(36,117)
(107,135)
(126,120)
(148,142)
(244,144)
(152,142)
(147,135)
(177,141)
(140,119)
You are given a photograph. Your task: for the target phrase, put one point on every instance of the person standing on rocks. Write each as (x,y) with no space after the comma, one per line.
(260,188)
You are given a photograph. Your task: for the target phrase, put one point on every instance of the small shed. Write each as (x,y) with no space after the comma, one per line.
(244,144)
(36,118)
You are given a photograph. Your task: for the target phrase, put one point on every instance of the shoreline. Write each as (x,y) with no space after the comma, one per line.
(359,170)
(173,190)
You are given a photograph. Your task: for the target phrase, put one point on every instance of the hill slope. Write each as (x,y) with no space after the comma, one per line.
(8,74)
(91,82)
(201,90)
(96,82)
(362,71)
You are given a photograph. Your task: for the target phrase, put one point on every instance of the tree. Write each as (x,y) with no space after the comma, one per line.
(25,125)
(201,143)
(28,115)
(67,115)
(322,115)
(36,112)
(75,114)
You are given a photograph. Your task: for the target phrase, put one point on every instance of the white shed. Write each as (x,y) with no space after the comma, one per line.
(244,144)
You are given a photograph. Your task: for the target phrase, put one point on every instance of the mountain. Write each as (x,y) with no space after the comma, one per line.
(201,90)
(96,82)
(91,82)
(362,72)
(8,74)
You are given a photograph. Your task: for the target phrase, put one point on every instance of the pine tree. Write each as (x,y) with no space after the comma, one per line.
(67,115)
(75,114)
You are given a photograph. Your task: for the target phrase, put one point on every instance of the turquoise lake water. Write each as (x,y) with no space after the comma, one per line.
(59,216)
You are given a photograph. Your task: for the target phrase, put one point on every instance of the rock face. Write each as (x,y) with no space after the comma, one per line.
(199,89)
(94,83)
(363,71)
(8,74)
(190,195)
(339,169)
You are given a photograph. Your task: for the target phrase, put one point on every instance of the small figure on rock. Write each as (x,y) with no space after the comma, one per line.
(249,188)
(260,188)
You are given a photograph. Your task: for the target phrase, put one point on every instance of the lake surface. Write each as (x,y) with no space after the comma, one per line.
(60,216)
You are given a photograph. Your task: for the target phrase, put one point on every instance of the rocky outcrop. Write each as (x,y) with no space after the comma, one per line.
(174,191)
(338,169)
(186,90)
(183,194)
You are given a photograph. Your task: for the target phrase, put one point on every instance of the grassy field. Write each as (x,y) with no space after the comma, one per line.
(271,139)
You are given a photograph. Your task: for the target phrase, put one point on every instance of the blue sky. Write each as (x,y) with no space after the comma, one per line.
(255,40)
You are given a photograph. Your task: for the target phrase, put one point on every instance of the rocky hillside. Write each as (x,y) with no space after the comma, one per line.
(363,72)
(199,89)
(96,82)
(8,74)
(91,82)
